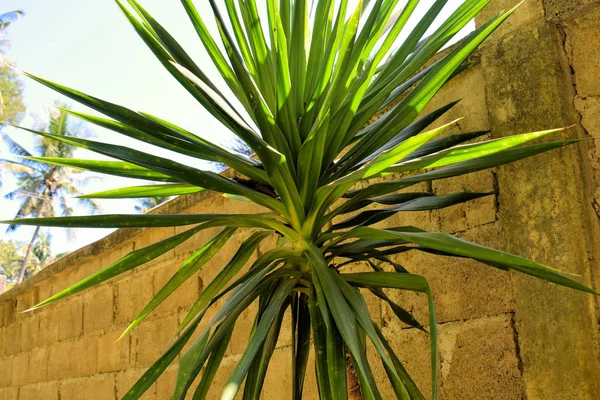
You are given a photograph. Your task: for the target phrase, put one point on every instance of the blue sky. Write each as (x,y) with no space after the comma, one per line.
(89,45)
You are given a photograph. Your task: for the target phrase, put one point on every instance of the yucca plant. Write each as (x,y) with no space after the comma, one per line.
(305,83)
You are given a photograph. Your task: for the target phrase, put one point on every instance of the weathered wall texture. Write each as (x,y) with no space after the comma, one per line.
(502,335)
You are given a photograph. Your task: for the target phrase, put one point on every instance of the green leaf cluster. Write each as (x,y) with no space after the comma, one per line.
(12,254)
(301,85)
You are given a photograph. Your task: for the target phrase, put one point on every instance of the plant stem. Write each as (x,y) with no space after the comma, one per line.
(354,392)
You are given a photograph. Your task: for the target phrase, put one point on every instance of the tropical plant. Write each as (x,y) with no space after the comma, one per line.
(12,254)
(42,252)
(12,108)
(306,84)
(11,257)
(44,190)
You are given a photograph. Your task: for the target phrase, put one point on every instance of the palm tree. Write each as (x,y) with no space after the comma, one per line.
(42,252)
(43,190)
(11,256)
(308,84)
(148,203)
(6,20)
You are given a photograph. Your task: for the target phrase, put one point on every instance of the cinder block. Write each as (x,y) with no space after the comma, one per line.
(20,368)
(6,365)
(91,388)
(11,393)
(561,10)
(151,236)
(7,313)
(98,309)
(39,391)
(218,383)
(208,316)
(583,48)
(115,253)
(49,322)
(461,288)
(480,361)
(210,202)
(126,379)
(267,244)
(85,267)
(528,12)
(151,338)
(184,296)
(113,355)
(166,383)
(589,109)
(27,299)
(219,260)
(242,330)
(13,338)
(285,334)
(374,303)
(421,219)
(528,83)
(59,282)
(188,247)
(412,348)
(46,288)
(38,362)
(59,360)
(30,331)
(70,318)
(461,217)
(2,342)
(278,381)
(133,294)
(472,111)
(86,360)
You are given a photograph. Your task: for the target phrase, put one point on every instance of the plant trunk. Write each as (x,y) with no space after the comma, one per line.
(352,380)
(28,255)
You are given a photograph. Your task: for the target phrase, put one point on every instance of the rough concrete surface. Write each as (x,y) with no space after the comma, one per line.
(542,209)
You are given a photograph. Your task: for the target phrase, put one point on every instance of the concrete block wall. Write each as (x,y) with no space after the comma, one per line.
(502,335)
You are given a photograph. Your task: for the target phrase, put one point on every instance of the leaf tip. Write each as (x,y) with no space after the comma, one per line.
(125,333)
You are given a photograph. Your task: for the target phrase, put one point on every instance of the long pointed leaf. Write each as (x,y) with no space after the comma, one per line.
(117,168)
(406,282)
(225,275)
(144,191)
(189,267)
(130,261)
(452,245)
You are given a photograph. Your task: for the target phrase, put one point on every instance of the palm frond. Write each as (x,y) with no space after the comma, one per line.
(11,16)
